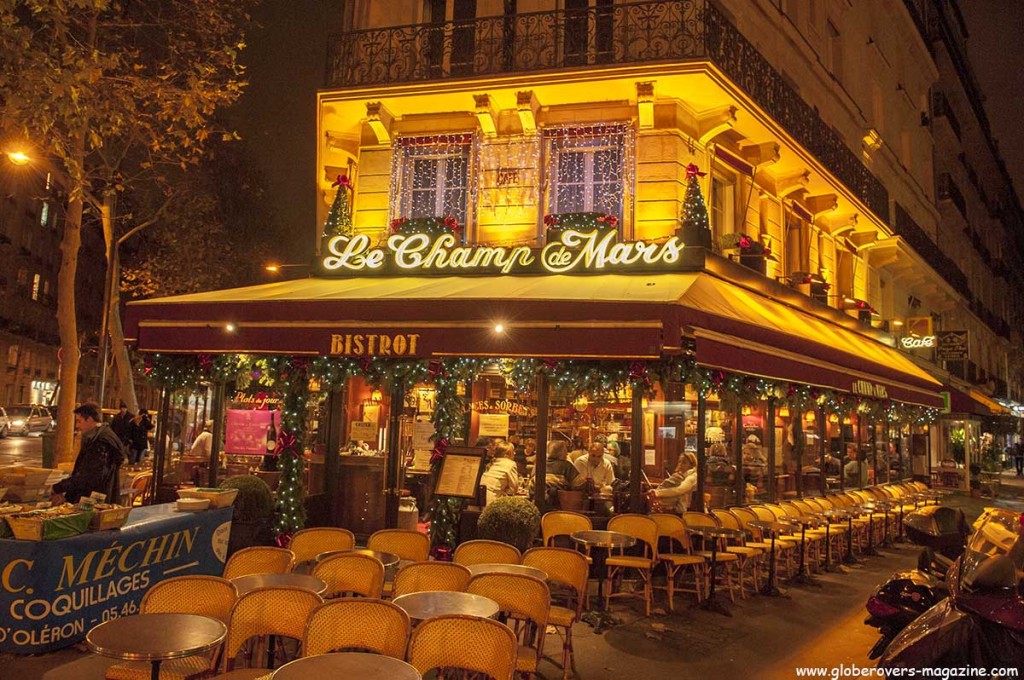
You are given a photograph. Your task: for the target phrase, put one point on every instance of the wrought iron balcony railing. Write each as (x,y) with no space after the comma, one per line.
(636,33)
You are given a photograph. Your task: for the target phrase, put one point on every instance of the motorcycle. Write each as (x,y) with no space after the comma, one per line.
(981,623)
(906,595)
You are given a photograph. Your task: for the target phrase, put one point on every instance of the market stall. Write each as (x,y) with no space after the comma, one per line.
(53,591)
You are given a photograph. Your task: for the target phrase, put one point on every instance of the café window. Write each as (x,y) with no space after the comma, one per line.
(723,203)
(434,178)
(588,169)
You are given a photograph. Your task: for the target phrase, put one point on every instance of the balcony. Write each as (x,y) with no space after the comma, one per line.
(949,191)
(942,109)
(623,34)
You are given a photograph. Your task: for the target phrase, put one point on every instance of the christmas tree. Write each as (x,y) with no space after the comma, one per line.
(339,219)
(696,228)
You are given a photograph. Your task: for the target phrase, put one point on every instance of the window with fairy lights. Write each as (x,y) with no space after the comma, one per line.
(589,169)
(432,175)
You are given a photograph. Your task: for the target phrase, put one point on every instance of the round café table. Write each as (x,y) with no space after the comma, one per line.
(347,664)
(246,584)
(387,559)
(803,573)
(420,606)
(773,529)
(155,638)
(520,569)
(712,535)
(605,541)
(834,515)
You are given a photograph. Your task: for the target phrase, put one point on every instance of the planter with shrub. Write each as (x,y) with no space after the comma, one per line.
(254,511)
(511,519)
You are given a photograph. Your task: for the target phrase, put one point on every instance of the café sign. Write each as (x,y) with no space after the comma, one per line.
(866,388)
(910,342)
(575,253)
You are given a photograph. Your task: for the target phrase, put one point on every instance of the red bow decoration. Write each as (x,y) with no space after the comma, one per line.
(205,363)
(285,441)
(439,448)
(551,364)
(638,371)
(147,370)
(693,171)
(744,242)
(365,364)
(450,223)
(551,220)
(283,539)
(343,181)
(718,377)
(436,369)
(299,363)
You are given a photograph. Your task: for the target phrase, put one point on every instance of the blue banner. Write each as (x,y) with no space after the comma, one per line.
(53,592)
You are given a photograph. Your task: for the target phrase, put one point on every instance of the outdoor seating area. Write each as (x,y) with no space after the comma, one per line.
(320,605)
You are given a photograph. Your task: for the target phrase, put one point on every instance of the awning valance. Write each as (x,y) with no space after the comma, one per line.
(557,316)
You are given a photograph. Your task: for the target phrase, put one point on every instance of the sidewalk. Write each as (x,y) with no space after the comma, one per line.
(765,639)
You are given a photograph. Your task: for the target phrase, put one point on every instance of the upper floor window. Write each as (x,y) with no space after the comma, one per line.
(36,281)
(722,207)
(433,176)
(588,169)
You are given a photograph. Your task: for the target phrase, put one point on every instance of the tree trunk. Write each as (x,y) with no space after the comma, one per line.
(125,378)
(67,323)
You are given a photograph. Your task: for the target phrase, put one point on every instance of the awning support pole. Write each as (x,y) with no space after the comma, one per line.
(336,401)
(540,466)
(739,484)
(697,500)
(636,451)
(842,451)
(822,449)
(392,470)
(770,442)
(217,416)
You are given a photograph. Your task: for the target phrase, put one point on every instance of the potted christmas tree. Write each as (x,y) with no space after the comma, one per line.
(694,226)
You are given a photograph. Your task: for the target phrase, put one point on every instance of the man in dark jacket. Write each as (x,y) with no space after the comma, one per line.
(138,435)
(99,460)
(121,424)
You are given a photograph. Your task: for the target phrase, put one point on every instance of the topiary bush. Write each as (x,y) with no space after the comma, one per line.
(511,519)
(254,509)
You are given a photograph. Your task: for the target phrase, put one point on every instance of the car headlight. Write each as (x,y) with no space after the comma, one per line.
(18,423)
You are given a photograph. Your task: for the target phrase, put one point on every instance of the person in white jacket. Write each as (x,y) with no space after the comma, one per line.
(502,477)
(677,491)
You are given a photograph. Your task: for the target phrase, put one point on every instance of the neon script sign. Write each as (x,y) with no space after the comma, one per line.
(911,342)
(576,252)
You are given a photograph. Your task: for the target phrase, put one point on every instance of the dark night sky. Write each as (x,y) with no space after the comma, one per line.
(287,55)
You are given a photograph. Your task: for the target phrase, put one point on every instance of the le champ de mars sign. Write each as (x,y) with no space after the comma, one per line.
(576,253)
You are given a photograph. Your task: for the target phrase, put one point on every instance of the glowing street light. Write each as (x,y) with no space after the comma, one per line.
(18,157)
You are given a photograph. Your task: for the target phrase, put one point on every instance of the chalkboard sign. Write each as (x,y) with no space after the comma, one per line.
(460,472)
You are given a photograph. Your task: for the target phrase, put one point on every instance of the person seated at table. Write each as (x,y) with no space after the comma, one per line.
(98,466)
(560,474)
(203,443)
(676,492)
(502,477)
(620,463)
(596,468)
(855,471)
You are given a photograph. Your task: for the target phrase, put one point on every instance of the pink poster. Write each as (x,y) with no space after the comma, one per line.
(247,431)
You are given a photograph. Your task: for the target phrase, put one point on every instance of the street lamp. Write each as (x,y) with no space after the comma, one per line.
(18,157)
(276,268)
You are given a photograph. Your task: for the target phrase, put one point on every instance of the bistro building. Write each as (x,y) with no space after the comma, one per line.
(657,224)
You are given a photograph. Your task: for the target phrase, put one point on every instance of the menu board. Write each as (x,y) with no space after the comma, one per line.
(460,472)
(246,431)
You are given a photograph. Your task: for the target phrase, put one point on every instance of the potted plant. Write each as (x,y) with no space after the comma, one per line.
(511,519)
(254,510)
(556,224)
(431,226)
(747,250)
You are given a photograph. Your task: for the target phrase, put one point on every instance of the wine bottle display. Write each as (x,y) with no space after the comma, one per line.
(271,435)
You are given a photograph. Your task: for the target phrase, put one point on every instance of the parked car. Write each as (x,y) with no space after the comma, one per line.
(27,418)
(5,423)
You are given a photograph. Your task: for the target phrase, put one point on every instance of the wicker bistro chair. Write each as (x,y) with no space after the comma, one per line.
(351,573)
(204,595)
(567,571)
(672,529)
(486,552)
(562,523)
(785,546)
(408,545)
(281,611)
(526,601)
(729,562)
(645,531)
(357,625)
(419,577)
(259,560)
(751,553)
(469,643)
(309,543)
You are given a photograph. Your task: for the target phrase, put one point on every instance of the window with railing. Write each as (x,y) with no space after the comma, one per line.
(433,178)
(588,169)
